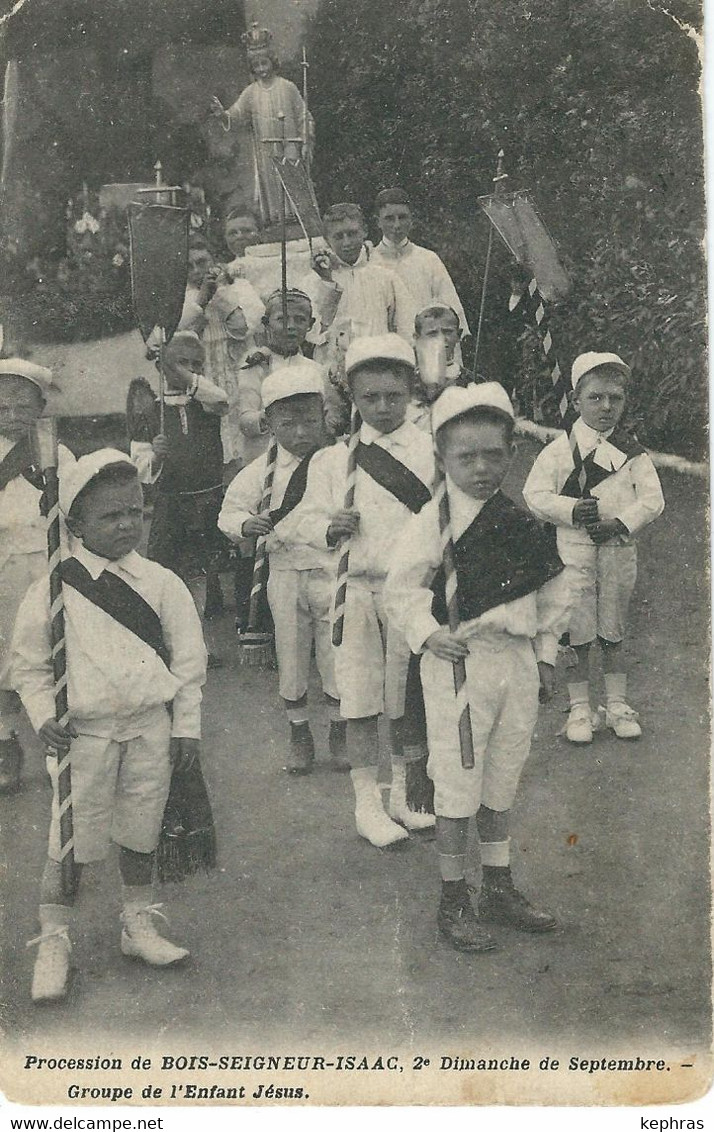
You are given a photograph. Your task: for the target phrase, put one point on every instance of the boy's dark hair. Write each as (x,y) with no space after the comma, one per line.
(390,196)
(292,402)
(435,311)
(343,211)
(401,368)
(480,414)
(120,472)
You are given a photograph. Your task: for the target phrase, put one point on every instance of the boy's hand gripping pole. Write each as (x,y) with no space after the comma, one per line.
(46,438)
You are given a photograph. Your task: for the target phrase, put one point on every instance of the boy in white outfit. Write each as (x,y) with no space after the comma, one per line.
(395,469)
(23,531)
(513,595)
(301,580)
(600,488)
(134,645)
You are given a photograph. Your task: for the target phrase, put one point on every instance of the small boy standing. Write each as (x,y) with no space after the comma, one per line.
(600,488)
(395,469)
(301,580)
(513,596)
(23,531)
(436,328)
(134,645)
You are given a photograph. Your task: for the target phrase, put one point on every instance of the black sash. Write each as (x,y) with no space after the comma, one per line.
(18,462)
(594,474)
(394,476)
(503,555)
(118,599)
(294,491)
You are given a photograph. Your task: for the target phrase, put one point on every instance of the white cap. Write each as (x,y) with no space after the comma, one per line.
(304,376)
(18,367)
(78,475)
(457,399)
(379,348)
(584,363)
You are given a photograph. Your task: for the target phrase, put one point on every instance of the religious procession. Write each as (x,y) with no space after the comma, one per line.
(338,592)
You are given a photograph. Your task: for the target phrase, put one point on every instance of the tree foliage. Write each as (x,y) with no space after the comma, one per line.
(596,105)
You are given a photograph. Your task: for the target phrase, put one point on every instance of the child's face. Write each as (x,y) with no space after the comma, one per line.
(261,65)
(184,354)
(240,232)
(110,519)
(287,338)
(395,222)
(346,238)
(443,326)
(476,456)
(199,261)
(600,399)
(298,424)
(382,395)
(21,403)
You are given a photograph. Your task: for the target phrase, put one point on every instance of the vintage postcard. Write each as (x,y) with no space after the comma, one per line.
(354,554)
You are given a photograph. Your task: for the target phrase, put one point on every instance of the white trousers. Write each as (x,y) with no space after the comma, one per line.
(371,663)
(300,602)
(120,784)
(502,681)
(606,576)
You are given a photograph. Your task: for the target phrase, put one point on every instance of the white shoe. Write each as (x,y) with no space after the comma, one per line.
(373,823)
(579,728)
(51,972)
(141,940)
(399,810)
(623,720)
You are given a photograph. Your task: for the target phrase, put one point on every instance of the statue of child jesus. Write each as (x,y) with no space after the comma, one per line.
(258,107)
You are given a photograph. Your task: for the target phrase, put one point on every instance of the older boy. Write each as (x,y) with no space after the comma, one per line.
(23,530)
(420,270)
(395,468)
(513,596)
(351,292)
(301,581)
(600,488)
(134,645)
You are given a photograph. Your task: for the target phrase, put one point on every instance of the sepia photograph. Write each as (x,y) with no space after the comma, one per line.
(354,555)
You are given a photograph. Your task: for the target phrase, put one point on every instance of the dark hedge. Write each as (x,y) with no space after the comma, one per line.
(596,105)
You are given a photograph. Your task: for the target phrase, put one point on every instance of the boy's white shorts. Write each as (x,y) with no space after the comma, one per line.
(120,784)
(372,662)
(607,576)
(502,680)
(301,604)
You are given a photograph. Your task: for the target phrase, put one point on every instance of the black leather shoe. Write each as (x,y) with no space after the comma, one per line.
(10,763)
(500,902)
(302,749)
(458,924)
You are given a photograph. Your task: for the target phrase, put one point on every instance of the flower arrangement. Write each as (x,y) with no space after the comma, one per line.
(87,294)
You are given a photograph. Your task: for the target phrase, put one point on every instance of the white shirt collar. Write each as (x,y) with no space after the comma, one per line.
(464,508)
(132,562)
(285,458)
(393,246)
(6,445)
(362,259)
(589,436)
(397,439)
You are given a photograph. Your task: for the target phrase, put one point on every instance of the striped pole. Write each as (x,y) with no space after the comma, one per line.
(560,385)
(343,568)
(466,742)
(46,433)
(260,567)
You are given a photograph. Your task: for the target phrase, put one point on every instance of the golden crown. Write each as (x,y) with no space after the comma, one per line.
(257,38)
